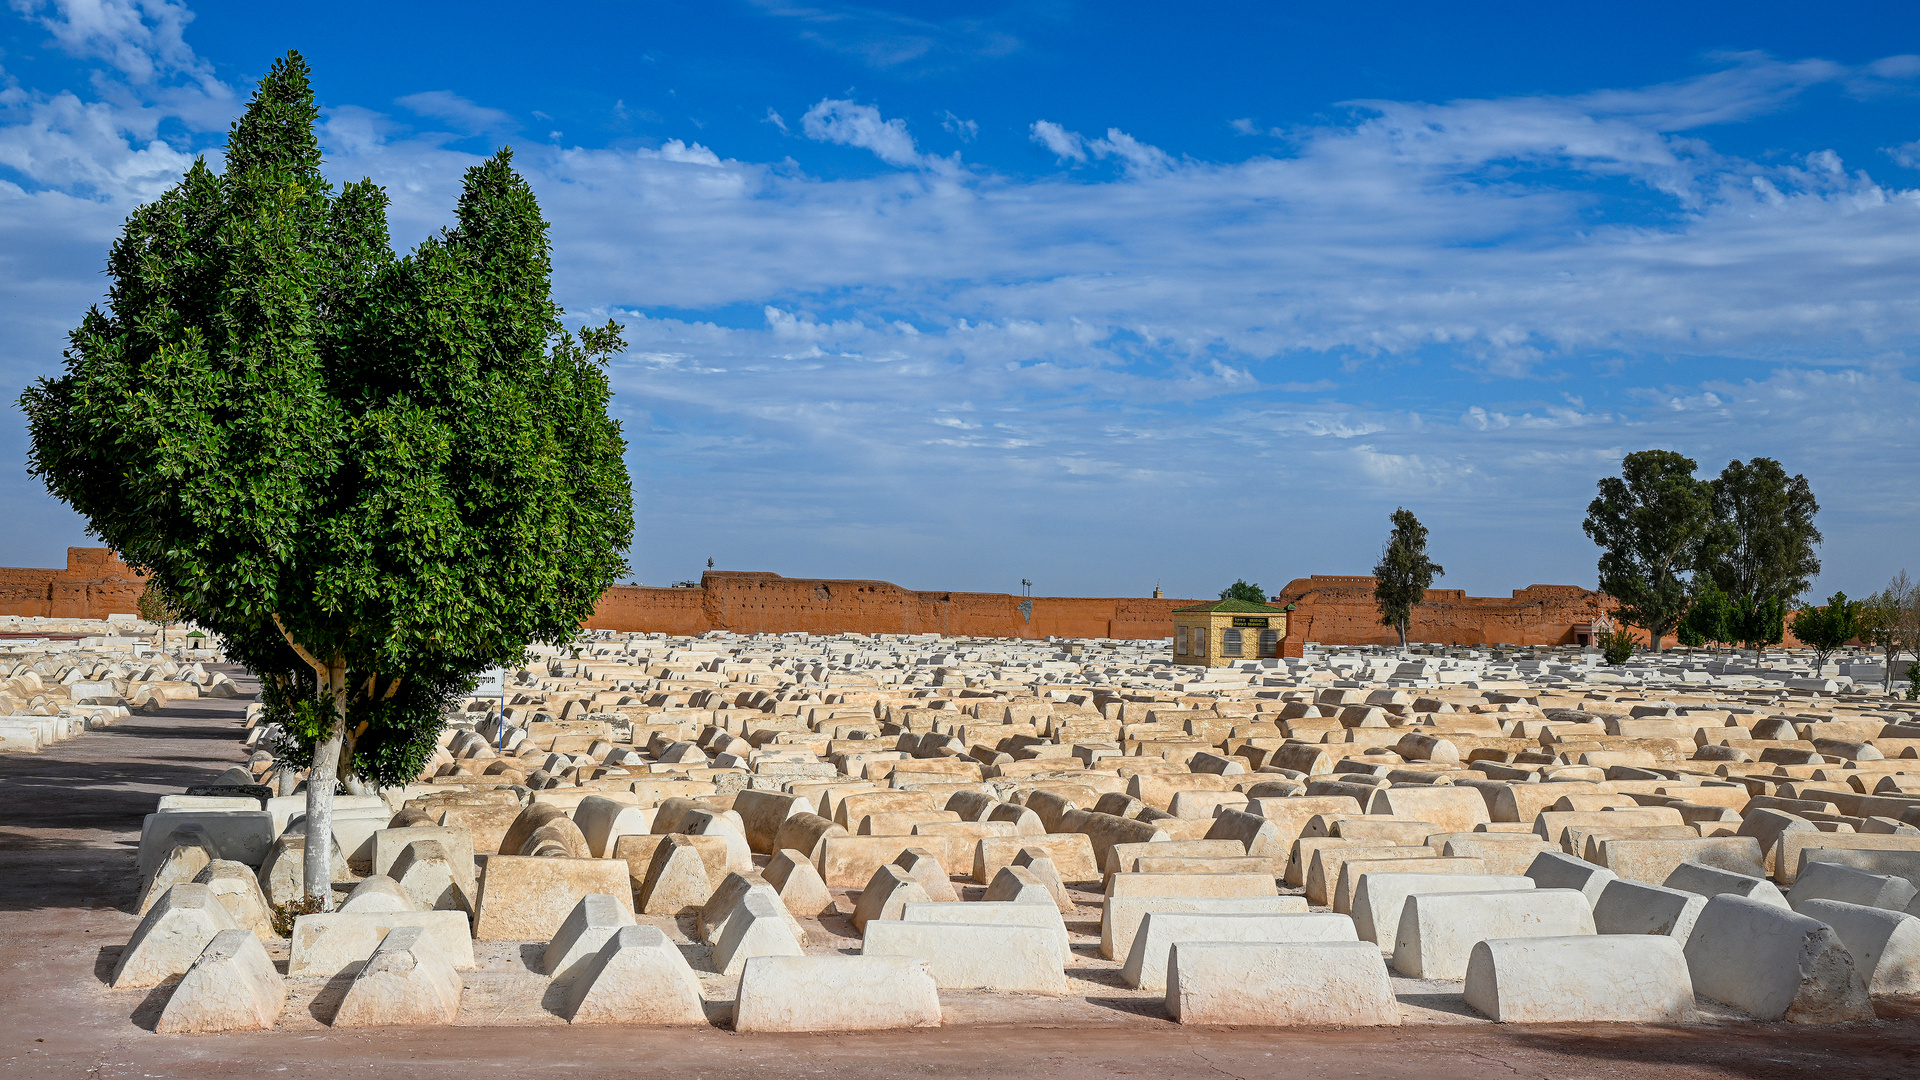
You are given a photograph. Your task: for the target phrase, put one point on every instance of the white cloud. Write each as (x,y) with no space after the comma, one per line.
(851,124)
(144,40)
(966,130)
(469,118)
(1064,144)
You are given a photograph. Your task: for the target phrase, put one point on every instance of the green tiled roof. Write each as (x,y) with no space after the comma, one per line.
(1241,607)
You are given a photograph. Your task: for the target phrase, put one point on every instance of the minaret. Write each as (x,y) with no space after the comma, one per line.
(1156,591)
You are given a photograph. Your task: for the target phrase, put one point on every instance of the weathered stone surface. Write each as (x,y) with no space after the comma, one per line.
(1624,979)
(526,899)
(596,918)
(235,886)
(1146,966)
(1438,930)
(1837,881)
(1380,898)
(886,893)
(1885,945)
(677,880)
(835,993)
(637,977)
(1013,959)
(1280,984)
(1774,964)
(1552,870)
(171,936)
(994,913)
(407,981)
(378,893)
(759,926)
(794,877)
(232,986)
(1634,907)
(1120,917)
(1711,881)
(324,945)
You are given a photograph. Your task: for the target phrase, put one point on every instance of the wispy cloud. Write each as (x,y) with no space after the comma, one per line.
(893,42)
(467,117)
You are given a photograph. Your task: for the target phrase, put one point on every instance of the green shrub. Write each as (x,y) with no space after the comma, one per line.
(1616,645)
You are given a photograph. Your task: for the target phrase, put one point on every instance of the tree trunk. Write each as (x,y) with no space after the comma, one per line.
(322,778)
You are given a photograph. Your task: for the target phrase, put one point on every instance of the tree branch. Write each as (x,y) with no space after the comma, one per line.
(319,668)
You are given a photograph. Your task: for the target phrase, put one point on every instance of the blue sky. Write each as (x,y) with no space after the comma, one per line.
(1099,295)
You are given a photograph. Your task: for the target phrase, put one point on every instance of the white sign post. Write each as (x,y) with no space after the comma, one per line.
(493,683)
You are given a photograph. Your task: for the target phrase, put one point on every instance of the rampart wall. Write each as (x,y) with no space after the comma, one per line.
(1330,609)
(94,585)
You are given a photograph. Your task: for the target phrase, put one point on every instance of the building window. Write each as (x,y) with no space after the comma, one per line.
(1269,643)
(1230,643)
(1199,640)
(1180,639)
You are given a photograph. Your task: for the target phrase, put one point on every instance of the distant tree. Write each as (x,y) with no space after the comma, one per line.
(1763,536)
(1890,622)
(1243,590)
(1649,523)
(1758,624)
(154,607)
(1708,619)
(1826,629)
(373,477)
(1403,574)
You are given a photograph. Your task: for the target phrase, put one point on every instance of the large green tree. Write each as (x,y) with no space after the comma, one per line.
(372,476)
(1403,574)
(1761,546)
(1650,522)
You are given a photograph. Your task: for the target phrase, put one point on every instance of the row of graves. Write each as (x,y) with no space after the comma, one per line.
(786,833)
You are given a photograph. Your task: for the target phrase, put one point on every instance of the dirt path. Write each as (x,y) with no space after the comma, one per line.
(69,828)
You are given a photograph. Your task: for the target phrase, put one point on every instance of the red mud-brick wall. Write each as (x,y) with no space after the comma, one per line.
(766,603)
(1334,609)
(94,585)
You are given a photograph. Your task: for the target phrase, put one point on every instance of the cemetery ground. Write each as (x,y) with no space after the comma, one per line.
(70,821)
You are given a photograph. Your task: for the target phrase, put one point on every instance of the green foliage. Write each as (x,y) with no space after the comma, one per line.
(1758,625)
(1708,619)
(1824,629)
(1913,682)
(1616,644)
(1403,574)
(398,470)
(1649,523)
(1243,590)
(1762,542)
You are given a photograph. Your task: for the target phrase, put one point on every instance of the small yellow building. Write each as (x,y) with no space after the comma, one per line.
(1227,632)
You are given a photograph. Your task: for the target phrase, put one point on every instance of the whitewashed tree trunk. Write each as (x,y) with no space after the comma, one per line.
(322,780)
